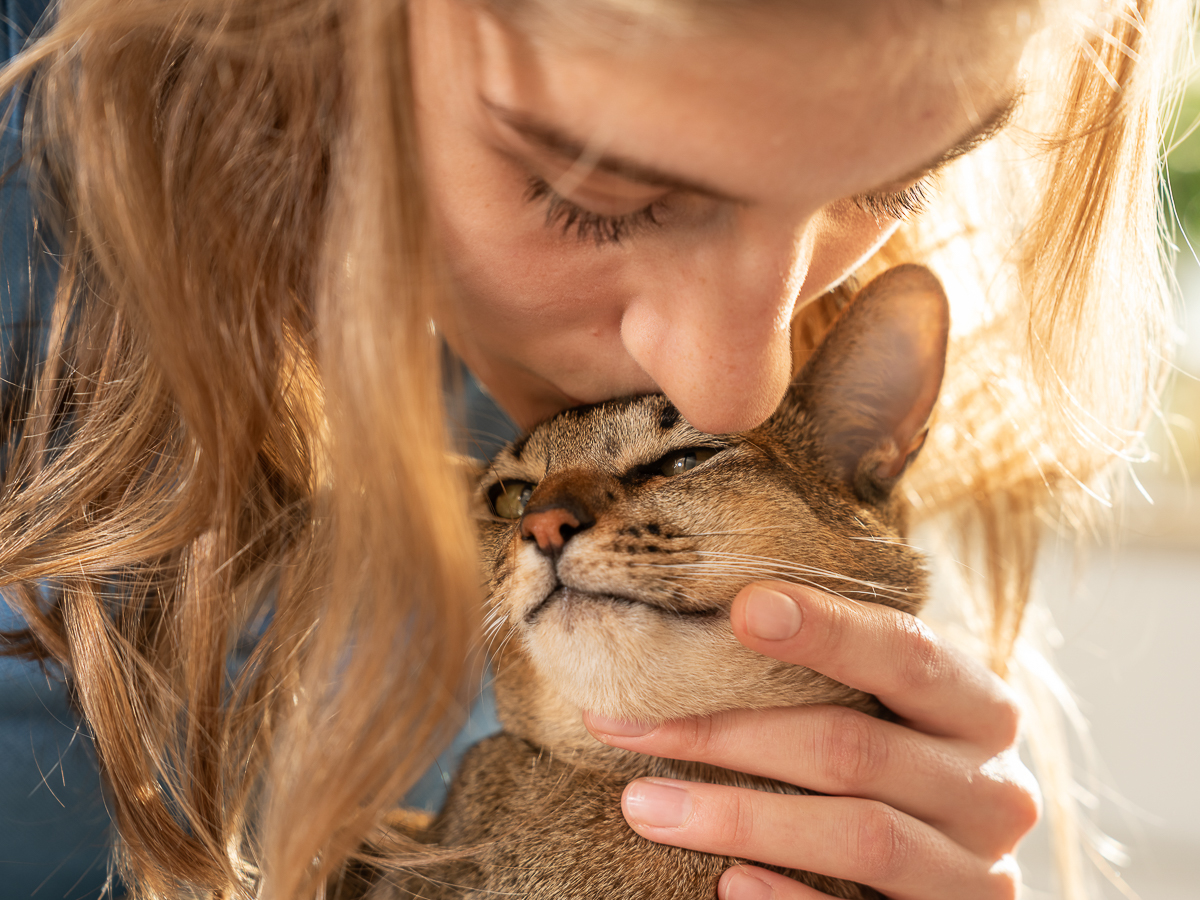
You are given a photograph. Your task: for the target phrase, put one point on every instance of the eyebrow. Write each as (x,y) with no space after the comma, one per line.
(985,128)
(560,143)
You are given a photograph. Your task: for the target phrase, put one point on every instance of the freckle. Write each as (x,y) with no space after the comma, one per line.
(653,528)
(631,549)
(633,531)
(651,548)
(610,495)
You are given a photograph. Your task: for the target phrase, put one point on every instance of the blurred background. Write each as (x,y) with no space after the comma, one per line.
(1128,620)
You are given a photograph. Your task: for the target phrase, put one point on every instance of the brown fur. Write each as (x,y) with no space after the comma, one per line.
(625,611)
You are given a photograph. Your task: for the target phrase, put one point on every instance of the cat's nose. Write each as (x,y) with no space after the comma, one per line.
(552,528)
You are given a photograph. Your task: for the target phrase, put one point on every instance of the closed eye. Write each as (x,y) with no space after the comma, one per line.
(589,225)
(678,462)
(902,204)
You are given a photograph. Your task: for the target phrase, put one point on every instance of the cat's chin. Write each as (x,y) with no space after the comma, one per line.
(629,659)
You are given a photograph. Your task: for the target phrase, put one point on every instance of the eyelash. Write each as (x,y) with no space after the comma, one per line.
(905,204)
(562,213)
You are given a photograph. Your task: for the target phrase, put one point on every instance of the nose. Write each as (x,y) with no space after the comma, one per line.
(713,330)
(552,528)
(712,327)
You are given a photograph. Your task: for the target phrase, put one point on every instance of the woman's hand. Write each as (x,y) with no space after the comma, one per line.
(928,808)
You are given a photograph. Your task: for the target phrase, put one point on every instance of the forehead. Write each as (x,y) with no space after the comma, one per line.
(611,436)
(769,98)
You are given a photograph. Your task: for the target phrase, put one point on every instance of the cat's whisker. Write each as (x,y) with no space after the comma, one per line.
(493,621)
(710,569)
(691,598)
(784,565)
(490,639)
(739,532)
(881,540)
(747,573)
(505,641)
(743,574)
(765,568)
(733,569)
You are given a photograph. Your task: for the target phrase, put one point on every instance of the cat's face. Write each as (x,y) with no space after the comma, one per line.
(634,532)
(615,537)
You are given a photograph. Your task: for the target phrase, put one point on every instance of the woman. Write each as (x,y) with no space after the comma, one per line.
(262,209)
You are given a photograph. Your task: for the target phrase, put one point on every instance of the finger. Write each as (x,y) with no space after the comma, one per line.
(986,805)
(752,883)
(842,837)
(884,652)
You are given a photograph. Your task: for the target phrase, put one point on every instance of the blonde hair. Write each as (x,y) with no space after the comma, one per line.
(240,410)
(239,427)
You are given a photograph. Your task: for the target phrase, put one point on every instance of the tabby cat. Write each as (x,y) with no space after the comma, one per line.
(614,538)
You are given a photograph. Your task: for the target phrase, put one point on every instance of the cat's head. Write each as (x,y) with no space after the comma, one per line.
(616,536)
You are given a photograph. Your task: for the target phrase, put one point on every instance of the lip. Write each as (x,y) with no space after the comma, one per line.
(563,592)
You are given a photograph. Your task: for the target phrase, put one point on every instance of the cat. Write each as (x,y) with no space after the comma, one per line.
(614,538)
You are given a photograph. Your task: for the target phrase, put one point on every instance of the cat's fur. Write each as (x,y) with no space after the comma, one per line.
(611,593)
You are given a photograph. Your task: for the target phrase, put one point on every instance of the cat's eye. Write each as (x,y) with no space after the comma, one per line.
(508,498)
(684,460)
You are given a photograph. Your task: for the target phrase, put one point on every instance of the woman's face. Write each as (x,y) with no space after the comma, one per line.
(628,216)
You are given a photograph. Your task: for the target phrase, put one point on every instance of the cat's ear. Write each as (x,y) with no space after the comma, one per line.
(871,385)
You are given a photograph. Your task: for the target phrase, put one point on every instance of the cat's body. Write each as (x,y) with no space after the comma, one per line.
(547,828)
(615,540)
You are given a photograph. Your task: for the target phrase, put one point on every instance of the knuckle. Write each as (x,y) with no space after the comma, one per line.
(1014,798)
(1023,810)
(1003,880)
(734,825)
(852,749)
(696,737)
(922,662)
(880,844)
(835,629)
(1006,722)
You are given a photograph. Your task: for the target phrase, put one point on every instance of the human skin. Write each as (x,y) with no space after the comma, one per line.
(732,162)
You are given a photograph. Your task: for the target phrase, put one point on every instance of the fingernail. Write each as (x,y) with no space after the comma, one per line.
(616,727)
(657,804)
(738,885)
(771,615)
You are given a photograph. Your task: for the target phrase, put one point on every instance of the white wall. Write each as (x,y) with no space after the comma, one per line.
(1131,652)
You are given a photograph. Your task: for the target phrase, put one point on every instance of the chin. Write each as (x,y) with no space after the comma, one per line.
(628,660)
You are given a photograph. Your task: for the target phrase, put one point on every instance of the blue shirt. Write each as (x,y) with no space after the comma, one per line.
(55,829)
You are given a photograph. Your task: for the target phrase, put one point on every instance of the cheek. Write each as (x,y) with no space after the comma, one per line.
(493,242)
(837,241)
(508,268)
